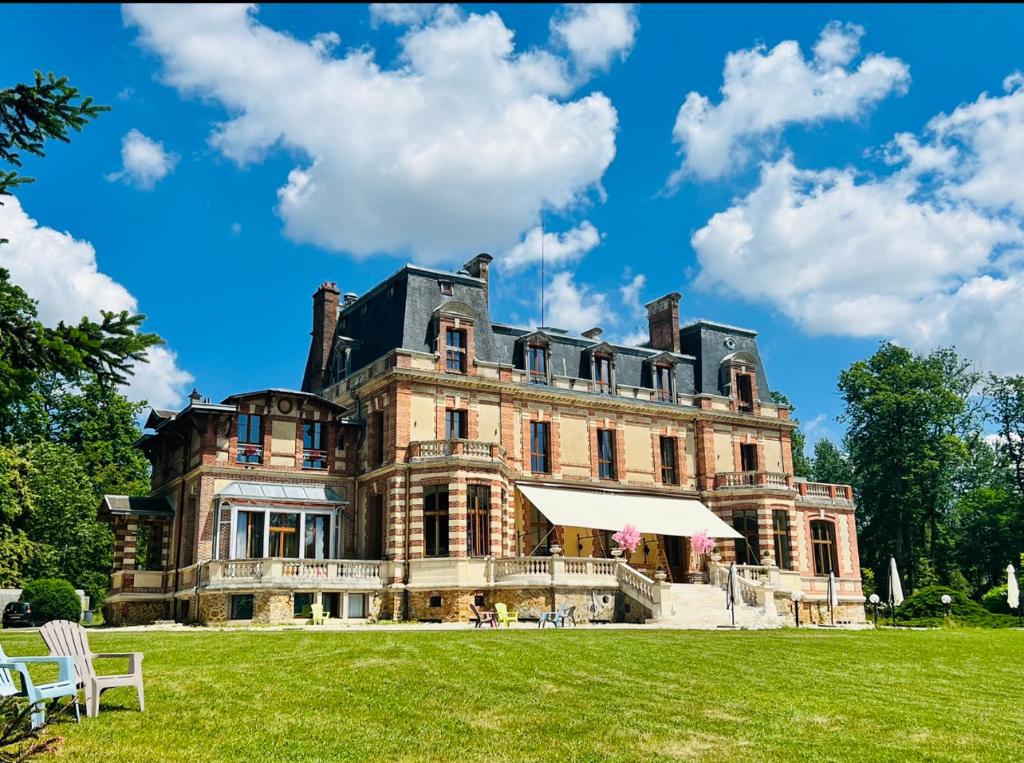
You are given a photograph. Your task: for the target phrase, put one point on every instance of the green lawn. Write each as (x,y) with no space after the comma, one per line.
(555,695)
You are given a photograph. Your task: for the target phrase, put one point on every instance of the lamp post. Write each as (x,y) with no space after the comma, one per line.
(797,596)
(873,598)
(946,600)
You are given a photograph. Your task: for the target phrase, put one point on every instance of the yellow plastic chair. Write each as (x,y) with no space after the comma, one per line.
(504,616)
(318,615)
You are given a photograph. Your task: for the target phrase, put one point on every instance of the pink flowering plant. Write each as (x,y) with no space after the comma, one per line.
(628,538)
(701,543)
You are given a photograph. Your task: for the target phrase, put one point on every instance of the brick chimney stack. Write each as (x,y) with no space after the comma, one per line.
(325,321)
(663,322)
(478,267)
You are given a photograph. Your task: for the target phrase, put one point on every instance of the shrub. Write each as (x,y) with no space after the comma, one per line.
(994,600)
(924,607)
(52,599)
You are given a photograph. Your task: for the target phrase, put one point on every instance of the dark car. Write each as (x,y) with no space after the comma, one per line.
(18,614)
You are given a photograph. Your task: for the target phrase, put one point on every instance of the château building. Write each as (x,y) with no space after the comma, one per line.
(434,459)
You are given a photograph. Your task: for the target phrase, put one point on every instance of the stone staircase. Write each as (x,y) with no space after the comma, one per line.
(699,606)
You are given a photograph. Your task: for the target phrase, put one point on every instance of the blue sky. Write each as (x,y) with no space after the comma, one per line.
(829,197)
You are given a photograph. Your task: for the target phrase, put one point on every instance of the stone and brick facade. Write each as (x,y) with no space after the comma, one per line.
(430,415)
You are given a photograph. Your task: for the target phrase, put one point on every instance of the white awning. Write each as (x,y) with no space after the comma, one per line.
(608,510)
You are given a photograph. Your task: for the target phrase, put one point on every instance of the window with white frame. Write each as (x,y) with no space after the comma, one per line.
(282,533)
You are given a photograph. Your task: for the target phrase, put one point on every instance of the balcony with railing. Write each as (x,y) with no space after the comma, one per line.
(822,492)
(249,453)
(291,573)
(314,459)
(727,480)
(424,450)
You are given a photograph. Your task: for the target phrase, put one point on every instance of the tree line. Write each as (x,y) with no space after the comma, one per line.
(934,450)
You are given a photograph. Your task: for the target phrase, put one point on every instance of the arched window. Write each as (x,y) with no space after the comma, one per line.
(823,545)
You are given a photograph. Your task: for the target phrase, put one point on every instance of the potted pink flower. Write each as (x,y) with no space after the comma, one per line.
(702,544)
(628,538)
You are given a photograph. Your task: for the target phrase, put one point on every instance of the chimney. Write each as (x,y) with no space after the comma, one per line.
(478,267)
(325,321)
(594,333)
(663,322)
(350,297)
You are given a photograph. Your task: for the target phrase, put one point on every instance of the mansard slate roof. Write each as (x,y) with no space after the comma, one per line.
(398,314)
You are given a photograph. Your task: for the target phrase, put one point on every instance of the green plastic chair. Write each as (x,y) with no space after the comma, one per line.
(37,694)
(504,616)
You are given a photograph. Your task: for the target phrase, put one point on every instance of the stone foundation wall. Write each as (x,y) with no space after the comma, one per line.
(134,612)
(214,608)
(816,612)
(272,607)
(600,605)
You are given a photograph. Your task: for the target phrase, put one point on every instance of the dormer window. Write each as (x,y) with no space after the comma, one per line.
(537,363)
(447,288)
(664,383)
(455,350)
(745,393)
(602,374)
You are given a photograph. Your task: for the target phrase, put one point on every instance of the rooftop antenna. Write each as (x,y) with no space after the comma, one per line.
(542,268)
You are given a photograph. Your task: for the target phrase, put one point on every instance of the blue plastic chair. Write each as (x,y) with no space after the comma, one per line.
(555,618)
(66,684)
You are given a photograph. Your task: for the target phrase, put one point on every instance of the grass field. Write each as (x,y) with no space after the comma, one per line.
(557,695)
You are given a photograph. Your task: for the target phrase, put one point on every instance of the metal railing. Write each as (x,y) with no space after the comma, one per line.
(314,459)
(248,453)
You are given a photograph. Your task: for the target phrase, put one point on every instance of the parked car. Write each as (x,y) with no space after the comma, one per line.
(17,614)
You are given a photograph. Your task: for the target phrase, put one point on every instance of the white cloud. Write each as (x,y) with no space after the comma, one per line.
(572,307)
(597,33)
(460,145)
(764,91)
(236,229)
(631,295)
(60,272)
(845,255)
(400,14)
(125,94)
(987,139)
(144,161)
(559,248)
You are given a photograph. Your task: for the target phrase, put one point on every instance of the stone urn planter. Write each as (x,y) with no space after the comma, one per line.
(555,550)
(660,575)
(716,557)
(617,552)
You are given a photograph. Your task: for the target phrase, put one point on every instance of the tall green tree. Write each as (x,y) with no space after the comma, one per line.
(907,418)
(32,355)
(830,464)
(988,533)
(1006,394)
(32,113)
(16,549)
(63,519)
(801,464)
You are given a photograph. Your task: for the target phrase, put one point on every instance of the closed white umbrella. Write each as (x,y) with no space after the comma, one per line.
(895,588)
(833,595)
(732,596)
(1012,589)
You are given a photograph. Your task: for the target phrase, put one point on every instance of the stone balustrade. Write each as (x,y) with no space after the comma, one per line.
(751,479)
(293,573)
(422,450)
(822,491)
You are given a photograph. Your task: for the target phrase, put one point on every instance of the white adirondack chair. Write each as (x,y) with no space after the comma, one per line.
(69,639)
